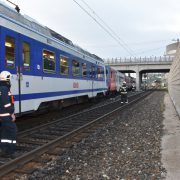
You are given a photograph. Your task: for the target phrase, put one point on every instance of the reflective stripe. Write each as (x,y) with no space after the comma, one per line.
(7,105)
(8,141)
(5,114)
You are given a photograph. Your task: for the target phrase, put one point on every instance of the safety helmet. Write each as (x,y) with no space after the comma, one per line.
(124,82)
(5,76)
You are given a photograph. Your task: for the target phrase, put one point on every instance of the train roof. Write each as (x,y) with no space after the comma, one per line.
(33,24)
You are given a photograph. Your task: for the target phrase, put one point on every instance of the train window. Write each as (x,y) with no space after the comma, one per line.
(84,69)
(75,68)
(10,52)
(64,65)
(92,71)
(26,56)
(49,61)
(99,73)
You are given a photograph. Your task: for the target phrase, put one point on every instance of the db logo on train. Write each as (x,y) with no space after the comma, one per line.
(75,85)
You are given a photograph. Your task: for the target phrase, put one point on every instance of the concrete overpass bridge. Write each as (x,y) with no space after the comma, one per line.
(141,66)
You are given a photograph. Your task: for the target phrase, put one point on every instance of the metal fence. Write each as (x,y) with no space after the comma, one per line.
(147,60)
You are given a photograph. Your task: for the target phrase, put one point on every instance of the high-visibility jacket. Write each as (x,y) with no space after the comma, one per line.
(123,89)
(6,99)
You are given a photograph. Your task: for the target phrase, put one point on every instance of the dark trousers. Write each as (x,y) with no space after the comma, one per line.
(123,98)
(8,135)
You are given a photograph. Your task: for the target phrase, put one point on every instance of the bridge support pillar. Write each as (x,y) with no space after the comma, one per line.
(137,81)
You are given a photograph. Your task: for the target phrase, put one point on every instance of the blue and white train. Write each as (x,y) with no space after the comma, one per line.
(47,68)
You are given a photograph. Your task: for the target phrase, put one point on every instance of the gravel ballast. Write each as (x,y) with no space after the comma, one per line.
(127,148)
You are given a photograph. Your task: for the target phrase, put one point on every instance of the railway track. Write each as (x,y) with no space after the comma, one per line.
(38,144)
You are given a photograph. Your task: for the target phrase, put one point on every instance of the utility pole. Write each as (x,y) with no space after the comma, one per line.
(16,6)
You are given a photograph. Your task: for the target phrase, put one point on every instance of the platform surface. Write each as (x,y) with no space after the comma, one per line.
(171,141)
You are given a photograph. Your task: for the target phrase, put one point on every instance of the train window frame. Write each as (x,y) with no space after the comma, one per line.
(75,69)
(26,65)
(49,70)
(10,63)
(103,73)
(66,66)
(100,73)
(84,70)
(92,71)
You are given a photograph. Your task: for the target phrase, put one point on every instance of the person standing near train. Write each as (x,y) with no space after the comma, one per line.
(7,117)
(123,92)
(133,87)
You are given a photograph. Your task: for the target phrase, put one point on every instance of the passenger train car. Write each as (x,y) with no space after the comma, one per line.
(130,81)
(114,80)
(47,68)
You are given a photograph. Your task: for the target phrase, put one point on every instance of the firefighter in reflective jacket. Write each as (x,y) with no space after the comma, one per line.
(133,87)
(123,92)
(7,117)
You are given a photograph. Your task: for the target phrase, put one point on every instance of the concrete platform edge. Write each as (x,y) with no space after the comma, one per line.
(171,140)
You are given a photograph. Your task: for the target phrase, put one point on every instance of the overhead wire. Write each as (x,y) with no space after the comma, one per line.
(124,43)
(107,28)
(113,34)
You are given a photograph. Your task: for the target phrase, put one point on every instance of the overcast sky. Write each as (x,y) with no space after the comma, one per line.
(139,27)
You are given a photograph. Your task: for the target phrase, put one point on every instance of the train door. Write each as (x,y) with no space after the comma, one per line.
(9,56)
(107,70)
(24,72)
(92,75)
(13,55)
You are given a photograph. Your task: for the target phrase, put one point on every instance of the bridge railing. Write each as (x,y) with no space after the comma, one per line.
(145,60)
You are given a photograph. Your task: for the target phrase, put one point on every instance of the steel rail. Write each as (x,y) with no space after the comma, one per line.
(30,131)
(18,162)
